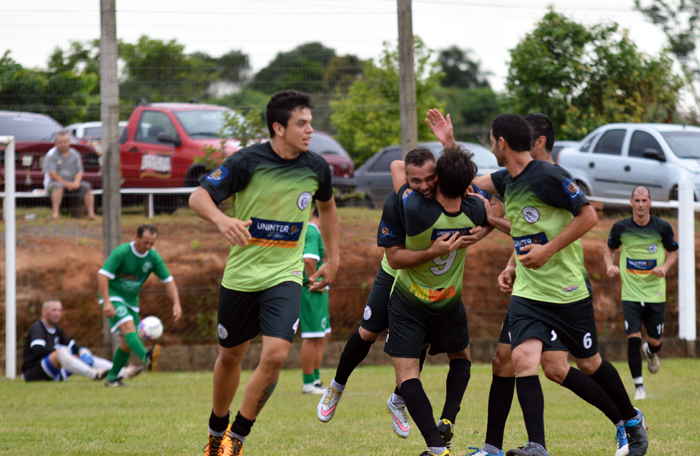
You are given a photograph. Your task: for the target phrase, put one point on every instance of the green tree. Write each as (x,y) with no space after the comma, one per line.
(460,70)
(680,22)
(299,69)
(367,117)
(341,72)
(583,77)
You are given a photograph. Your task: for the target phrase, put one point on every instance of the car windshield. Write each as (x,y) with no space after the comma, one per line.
(685,144)
(92,132)
(29,128)
(202,123)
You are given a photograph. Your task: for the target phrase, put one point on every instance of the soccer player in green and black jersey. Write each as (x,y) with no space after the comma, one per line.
(426,305)
(119,282)
(548,215)
(644,264)
(274,184)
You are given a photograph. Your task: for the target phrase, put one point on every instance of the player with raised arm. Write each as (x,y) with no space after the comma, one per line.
(645,239)
(554,355)
(274,184)
(426,305)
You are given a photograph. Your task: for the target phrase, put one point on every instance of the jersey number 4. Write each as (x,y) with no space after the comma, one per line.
(443,265)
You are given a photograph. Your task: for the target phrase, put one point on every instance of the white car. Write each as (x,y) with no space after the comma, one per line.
(91,132)
(615,158)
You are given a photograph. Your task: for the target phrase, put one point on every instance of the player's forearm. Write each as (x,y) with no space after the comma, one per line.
(103,286)
(403,258)
(201,203)
(511,261)
(485,183)
(671,259)
(608,257)
(499,223)
(330,231)
(78,178)
(398,174)
(580,225)
(309,266)
(173,294)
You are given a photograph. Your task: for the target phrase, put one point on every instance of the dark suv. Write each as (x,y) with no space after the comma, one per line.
(34,137)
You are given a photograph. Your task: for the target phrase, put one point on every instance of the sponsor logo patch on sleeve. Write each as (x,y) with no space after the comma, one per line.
(406,193)
(571,189)
(218,175)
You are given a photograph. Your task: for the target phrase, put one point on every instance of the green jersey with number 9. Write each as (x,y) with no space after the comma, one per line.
(436,284)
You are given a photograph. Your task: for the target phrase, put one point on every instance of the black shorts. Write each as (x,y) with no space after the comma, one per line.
(376,316)
(574,324)
(652,314)
(272,312)
(35,373)
(553,344)
(411,324)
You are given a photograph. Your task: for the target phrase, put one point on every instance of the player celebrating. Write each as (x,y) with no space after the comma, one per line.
(549,214)
(274,184)
(426,304)
(645,266)
(119,282)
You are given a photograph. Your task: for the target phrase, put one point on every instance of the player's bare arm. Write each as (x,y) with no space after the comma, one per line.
(506,278)
(671,258)
(103,288)
(328,213)
(171,290)
(398,174)
(400,257)
(235,231)
(441,127)
(609,258)
(537,254)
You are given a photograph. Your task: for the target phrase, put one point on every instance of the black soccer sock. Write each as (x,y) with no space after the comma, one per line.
(607,377)
(421,411)
(241,425)
(532,403)
(218,424)
(587,389)
(423,355)
(655,349)
(500,400)
(356,350)
(634,357)
(457,381)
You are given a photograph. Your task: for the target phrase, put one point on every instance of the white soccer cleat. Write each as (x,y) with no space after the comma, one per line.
(640,393)
(399,418)
(328,403)
(312,388)
(652,359)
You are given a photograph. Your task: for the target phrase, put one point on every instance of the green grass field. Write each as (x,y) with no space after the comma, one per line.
(167,413)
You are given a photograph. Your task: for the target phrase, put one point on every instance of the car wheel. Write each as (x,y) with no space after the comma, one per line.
(584,188)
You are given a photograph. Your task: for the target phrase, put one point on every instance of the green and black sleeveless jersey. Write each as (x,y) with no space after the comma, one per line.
(642,250)
(275,194)
(540,202)
(438,283)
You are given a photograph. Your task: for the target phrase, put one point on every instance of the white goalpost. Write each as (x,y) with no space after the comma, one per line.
(10,270)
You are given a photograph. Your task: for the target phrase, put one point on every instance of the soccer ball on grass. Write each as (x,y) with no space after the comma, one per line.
(150,329)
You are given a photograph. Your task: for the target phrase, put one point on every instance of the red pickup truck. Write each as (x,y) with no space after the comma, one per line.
(161,140)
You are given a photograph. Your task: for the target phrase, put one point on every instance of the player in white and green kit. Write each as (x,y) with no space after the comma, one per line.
(314,319)
(119,283)
(273,184)
(643,267)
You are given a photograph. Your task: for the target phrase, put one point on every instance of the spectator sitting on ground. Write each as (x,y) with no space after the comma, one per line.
(65,169)
(50,355)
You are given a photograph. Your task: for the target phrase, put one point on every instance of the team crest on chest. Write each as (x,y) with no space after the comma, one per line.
(147,266)
(303,200)
(653,248)
(531,214)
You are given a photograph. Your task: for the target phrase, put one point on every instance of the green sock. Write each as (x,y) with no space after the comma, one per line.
(308,378)
(317,374)
(119,361)
(137,348)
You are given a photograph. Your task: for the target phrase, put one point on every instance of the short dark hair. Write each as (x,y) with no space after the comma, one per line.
(514,129)
(455,171)
(634,190)
(541,126)
(146,227)
(281,106)
(418,157)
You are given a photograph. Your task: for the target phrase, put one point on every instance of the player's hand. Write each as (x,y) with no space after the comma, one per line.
(536,256)
(487,204)
(475,235)
(659,272)
(326,273)
(613,271)
(506,279)
(177,311)
(445,244)
(235,231)
(442,127)
(108,309)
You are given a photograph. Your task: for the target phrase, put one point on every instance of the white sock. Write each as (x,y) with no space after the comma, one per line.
(396,399)
(337,386)
(74,365)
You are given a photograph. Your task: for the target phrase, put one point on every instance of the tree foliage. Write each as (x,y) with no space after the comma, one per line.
(299,69)
(583,77)
(460,70)
(367,118)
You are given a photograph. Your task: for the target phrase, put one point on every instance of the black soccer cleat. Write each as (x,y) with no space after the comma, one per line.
(637,435)
(447,431)
(530,449)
